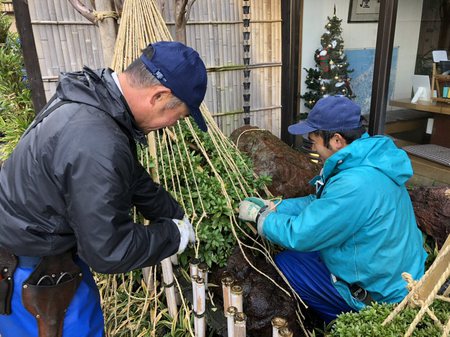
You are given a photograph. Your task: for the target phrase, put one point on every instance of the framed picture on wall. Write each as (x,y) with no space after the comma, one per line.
(363,11)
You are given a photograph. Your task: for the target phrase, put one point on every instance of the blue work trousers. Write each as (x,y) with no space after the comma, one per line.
(311,279)
(83,318)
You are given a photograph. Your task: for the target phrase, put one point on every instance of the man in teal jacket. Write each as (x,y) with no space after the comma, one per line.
(348,244)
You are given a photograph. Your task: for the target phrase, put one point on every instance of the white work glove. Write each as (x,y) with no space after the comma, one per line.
(187,234)
(255,210)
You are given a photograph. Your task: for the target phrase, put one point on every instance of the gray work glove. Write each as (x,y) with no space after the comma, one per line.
(255,210)
(187,234)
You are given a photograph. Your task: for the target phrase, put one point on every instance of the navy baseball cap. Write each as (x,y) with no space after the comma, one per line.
(331,113)
(180,68)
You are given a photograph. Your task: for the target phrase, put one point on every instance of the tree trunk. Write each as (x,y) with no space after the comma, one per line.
(108,30)
(182,11)
(180,20)
(290,169)
(432,210)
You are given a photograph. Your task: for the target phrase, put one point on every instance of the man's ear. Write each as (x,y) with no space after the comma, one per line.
(158,93)
(339,142)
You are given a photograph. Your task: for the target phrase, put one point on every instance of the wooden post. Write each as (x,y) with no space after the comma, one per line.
(108,29)
(382,66)
(25,30)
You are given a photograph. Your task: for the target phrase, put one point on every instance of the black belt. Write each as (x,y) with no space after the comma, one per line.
(360,294)
(357,292)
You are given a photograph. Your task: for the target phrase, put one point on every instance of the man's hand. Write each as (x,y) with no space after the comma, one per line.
(256,210)
(187,234)
(271,204)
(251,208)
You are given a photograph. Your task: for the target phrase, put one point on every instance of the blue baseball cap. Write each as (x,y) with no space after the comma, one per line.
(180,68)
(331,113)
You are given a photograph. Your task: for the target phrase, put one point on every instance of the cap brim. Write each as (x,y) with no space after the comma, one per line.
(198,118)
(301,128)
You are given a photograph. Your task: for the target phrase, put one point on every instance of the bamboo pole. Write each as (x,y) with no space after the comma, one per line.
(199,314)
(175,264)
(277,324)
(240,325)
(202,272)
(194,299)
(227,281)
(236,297)
(169,288)
(193,267)
(285,332)
(230,313)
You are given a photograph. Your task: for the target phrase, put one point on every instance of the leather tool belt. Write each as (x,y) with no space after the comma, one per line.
(48,291)
(8,264)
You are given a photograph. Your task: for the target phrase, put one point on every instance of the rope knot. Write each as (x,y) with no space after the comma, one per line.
(100,16)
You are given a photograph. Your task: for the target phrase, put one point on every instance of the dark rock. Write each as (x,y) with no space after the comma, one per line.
(291,170)
(262,299)
(432,210)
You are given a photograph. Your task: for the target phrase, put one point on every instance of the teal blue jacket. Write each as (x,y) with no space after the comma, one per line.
(361,221)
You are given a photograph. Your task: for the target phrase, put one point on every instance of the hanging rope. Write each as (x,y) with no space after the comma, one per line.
(100,16)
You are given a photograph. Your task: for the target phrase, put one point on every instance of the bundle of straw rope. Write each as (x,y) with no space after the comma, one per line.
(125,301)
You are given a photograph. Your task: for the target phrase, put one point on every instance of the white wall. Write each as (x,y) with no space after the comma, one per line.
(407,38)
(363,35)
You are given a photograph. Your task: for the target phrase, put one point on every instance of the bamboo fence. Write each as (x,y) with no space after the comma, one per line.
(66,41)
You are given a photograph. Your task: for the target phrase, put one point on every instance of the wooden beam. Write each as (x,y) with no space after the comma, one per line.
(382,66)
(291,15)
(25,30)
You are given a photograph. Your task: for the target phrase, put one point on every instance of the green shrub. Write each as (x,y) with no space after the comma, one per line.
(215,232)
(16,108)
(368,322)
(5,23)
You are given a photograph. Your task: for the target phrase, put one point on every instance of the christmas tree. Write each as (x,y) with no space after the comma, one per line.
(330,76)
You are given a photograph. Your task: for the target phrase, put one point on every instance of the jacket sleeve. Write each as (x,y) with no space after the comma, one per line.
(294,206)
(324,222)
(151,199)
(95,169)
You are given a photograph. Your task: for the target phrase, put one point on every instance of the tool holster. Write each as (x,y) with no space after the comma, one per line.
(48,291)
(8,264)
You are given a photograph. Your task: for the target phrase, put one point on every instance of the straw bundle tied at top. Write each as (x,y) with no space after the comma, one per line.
(141,23)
